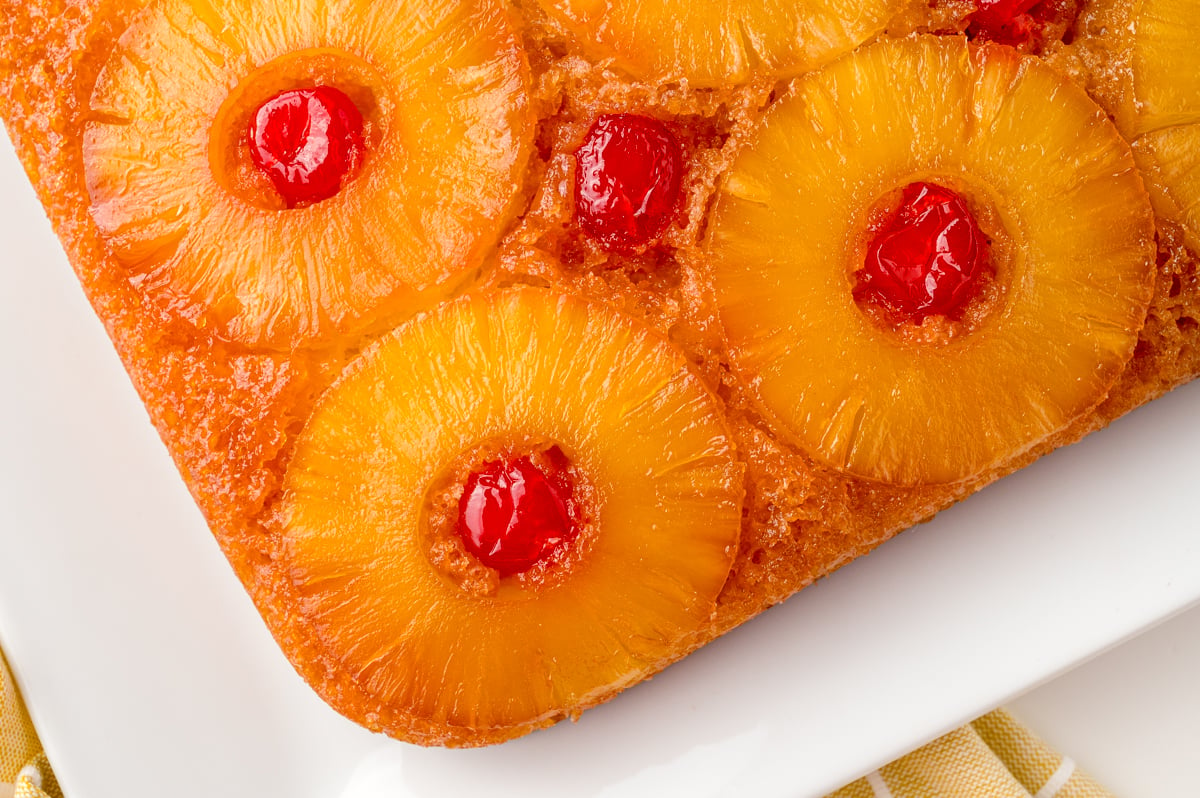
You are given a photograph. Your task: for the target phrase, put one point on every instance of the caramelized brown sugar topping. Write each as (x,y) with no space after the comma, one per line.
(233,391)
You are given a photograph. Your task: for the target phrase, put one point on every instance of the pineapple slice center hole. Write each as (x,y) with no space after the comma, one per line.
(508,518)
(930,261)
(330,82)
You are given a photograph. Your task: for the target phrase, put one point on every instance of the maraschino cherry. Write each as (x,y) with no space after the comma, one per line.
(1019,22)
(928,258)
(308,141)
(513,514)
(628,175)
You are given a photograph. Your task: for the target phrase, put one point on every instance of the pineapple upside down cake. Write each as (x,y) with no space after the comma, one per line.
(514,350)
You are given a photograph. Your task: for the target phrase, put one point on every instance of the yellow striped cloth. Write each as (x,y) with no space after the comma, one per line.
(995,757)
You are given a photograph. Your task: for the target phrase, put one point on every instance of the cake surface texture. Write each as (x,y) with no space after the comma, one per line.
(514,349)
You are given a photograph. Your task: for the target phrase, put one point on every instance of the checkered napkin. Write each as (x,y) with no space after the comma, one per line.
(994,757)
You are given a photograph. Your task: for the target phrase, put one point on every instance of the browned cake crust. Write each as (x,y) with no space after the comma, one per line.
(230,416)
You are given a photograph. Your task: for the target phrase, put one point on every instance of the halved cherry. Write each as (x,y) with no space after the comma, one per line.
(629,171)
(308,141)
(928,258)
(513,514)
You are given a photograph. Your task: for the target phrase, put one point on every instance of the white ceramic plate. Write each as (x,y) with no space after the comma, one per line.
(148,672)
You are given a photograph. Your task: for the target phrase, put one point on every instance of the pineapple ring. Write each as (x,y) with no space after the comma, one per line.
(444,88)
(785,240)
(1160,107)
(418,652)
(669,40)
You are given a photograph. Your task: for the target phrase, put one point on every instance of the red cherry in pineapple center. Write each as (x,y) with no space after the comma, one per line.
(1019,22)
(629,171)
(308,141)
(513,514)
(928,258)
